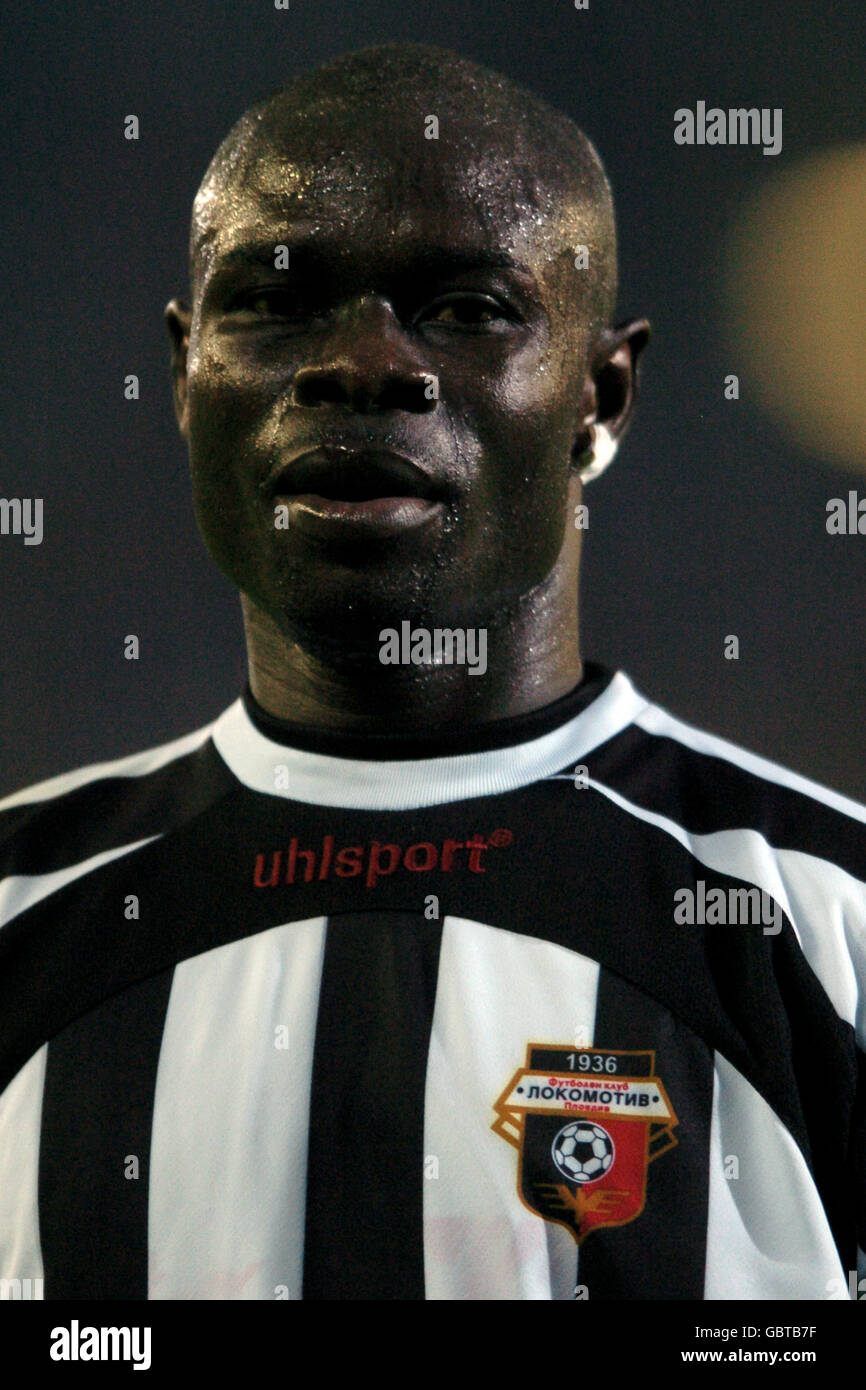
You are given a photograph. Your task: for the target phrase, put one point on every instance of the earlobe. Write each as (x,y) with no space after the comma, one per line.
(602,451)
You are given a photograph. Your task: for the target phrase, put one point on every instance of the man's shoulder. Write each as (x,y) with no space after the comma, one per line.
(135,764)
(675,771)
(716,757)
(103,807)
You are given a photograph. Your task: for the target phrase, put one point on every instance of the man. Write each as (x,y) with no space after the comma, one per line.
(443,965)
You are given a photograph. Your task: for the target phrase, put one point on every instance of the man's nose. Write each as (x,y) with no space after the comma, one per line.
(366,362)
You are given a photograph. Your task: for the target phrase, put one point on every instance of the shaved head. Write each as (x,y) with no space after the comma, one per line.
(400,337)
(524,161)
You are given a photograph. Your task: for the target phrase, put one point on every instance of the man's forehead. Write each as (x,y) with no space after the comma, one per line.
(470,198)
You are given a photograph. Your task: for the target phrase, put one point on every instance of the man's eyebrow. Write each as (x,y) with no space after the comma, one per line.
(458,258)
(262,254)
(328,251)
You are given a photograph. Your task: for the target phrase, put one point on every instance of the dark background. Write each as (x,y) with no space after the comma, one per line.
(711,521)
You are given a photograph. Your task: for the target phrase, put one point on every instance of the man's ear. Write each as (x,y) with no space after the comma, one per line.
(178,318)
(616,374)
(611,389)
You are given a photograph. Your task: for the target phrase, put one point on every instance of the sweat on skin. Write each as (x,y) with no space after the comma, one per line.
(463,646)
(409,260)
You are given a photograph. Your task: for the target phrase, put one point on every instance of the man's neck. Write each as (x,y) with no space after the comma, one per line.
(531,658)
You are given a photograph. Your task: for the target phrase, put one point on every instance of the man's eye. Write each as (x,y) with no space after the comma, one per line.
(465,311)
(267,303)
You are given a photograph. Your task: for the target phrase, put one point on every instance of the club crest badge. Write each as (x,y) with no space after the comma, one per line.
(586,1124)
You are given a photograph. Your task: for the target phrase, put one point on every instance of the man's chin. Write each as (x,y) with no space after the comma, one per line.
(348,634)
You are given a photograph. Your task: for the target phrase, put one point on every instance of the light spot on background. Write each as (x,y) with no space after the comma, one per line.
(795,296)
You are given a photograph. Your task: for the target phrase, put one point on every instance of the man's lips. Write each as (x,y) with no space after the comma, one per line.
(345,474)
(374,519)
(365,494)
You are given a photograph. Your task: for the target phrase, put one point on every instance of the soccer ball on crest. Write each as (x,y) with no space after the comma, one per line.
(582,1151)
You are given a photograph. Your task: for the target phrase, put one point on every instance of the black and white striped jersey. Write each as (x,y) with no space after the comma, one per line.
(570,1005)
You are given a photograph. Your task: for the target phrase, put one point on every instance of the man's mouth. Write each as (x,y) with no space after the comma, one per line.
(365,494)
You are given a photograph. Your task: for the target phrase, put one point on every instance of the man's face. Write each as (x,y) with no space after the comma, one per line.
(431,311)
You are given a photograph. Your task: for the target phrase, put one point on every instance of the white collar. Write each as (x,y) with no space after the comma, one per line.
(389,785)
